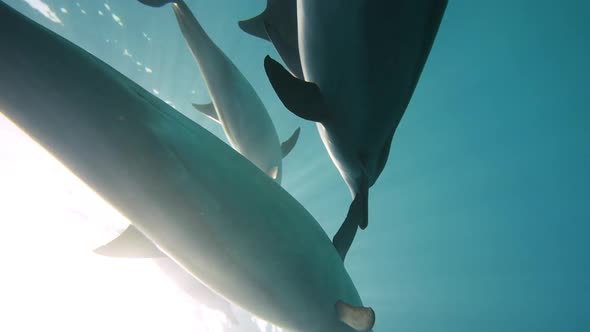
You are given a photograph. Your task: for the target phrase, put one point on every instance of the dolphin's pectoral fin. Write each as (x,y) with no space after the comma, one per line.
(288,53)
(255,26)
(156,3)
(208,110)
(130,244)
(345,235)
(288,145)
(359,318)
(302,98)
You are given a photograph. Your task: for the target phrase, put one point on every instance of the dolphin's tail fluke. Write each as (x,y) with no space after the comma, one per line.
(157,3)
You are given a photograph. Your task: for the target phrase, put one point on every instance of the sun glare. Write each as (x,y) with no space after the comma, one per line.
(45,10)
(51,280)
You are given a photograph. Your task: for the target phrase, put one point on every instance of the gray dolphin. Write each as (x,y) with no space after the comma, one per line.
(199,201)
(235,103)
(361,62)
(278,24)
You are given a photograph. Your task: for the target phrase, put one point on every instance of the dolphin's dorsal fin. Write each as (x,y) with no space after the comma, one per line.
(156,3)
(347,231)
(288,145)
(208,110)
(130,244)
(255,26)
(359,318)
(302,98)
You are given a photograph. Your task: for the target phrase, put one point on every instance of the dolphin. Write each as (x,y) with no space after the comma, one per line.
(278,24)
(235,103)
(198,200)
(361,62)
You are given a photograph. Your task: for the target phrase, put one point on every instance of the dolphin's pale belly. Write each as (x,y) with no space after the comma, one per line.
(204,204)
(366,57)
(334,56)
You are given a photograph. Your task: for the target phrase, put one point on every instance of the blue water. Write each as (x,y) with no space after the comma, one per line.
(481,219)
